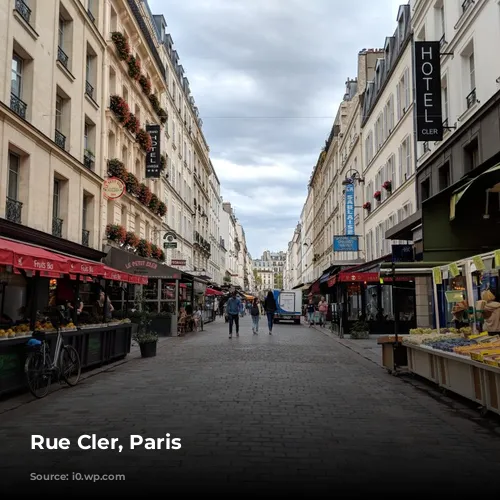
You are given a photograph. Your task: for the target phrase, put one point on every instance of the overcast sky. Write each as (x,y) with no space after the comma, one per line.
(268,77)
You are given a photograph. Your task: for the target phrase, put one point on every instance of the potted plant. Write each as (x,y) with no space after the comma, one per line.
(162,209)
(163,115)
(154,102)
(147,340)
(154,203)
(145,83)
(144,248)
(134,67)
(116,169)
(377,195)
(144,140)
(132,184)
(367,206)
(145,194)
(387,185)
(360,330)
(120,108)
(116,233)
(133,124)
(121,44)
(131,239)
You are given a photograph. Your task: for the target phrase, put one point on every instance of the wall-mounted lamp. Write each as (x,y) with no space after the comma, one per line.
(351,176)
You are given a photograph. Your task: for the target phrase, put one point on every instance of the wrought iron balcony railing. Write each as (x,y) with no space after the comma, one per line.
(24,10)
(471,99)
(57,225)
(427,148)
(89,90)
(13,210)
(466,5)
(85,237)
(19,107)
(62,57)
(60,139)
(88,159)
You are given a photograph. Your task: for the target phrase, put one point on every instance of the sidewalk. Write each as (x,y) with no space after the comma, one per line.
(368,348)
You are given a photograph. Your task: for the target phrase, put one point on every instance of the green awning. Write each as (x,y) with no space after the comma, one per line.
(459,193)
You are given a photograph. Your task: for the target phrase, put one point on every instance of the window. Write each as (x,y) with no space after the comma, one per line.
(391,171)
(425,189)
(17,76)
(13,182)
(444,176)
(64,37)
(59,109)
(444,99)
(90,72)
(56,206)
(471,156)
(472,72)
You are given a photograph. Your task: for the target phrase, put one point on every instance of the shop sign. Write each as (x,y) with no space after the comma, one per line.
(178,262)
(153,156)
(345,244)
(402,253)
(113,188)
(497,258)
(429,115)
(141,263)
(349,209)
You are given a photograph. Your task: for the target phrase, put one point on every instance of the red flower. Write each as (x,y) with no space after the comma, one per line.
(122,45)
(144,140)
(132,239)
(120,108)
(162,209)
(377,195)
(145,83)
(145,194)
(115,232)
(133,124)
(387,185)
(367,206)
(134,67)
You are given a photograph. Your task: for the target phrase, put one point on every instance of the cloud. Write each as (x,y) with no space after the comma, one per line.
(267,77)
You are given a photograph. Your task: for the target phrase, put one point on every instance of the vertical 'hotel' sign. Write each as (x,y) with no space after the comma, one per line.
(349,209)
(429,119)
(153,156)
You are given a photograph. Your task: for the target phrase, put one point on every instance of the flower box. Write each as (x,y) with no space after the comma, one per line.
(367,206)
(377,195)
(387,185)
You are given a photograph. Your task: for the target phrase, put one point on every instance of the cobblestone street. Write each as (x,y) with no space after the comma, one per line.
(268,412)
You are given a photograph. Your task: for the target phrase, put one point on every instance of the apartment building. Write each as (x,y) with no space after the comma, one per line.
(387,124)
(231,243)
(306,221)
(216,263)
(451,223)
(270,262)
(50,123)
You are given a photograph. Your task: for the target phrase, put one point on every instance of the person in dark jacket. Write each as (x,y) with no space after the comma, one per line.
(270,308)
(255,313)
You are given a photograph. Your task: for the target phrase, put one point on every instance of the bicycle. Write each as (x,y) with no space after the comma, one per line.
(42,368)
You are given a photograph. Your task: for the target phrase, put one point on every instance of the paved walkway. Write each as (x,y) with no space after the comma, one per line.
(271,413)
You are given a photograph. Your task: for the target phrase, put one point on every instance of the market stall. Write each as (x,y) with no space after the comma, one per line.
(35,283)
(463,353)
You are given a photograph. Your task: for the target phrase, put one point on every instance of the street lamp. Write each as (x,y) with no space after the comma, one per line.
(307,244)
(351,176)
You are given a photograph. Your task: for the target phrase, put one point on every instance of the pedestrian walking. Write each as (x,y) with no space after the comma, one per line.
(322,308)
(270,308)
(233,312)
(255,313)
(310,312)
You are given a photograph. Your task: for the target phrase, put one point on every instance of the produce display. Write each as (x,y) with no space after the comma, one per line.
(23,330)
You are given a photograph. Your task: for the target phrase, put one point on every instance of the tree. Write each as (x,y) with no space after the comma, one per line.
(257,277)
(278,281)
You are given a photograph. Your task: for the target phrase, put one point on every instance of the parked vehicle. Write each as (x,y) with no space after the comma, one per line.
(289,305)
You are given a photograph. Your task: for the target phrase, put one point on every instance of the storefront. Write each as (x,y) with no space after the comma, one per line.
(463,356)
(40,285)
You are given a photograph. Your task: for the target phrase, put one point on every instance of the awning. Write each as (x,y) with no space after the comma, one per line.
(490,179)
(211,291)
(78,266)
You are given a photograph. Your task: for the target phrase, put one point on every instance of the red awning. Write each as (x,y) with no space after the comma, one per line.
(78,266)
(113,274)
(211,291)
(361,277)
(137,279)
(31,258)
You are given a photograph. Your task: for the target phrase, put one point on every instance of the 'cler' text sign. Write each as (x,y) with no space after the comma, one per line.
(429,120)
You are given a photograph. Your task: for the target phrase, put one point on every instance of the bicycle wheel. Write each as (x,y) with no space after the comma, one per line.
(69,364)
(38,375)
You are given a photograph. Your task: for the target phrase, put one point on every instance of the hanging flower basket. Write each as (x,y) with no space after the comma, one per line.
(367,206)
(144,140)
(115,232)
(117,169)
(155,102)
(120,108)
(121,44)
(132,184)
(377,195)
(131,239)
(387,185)
(134,67)
(144,248)
(156,252)
(145,194)
(162,209)
(133,124)
(162,256)
(163,115)
(154,203)
(145,83)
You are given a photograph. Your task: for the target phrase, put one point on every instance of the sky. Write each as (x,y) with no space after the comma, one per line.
(268,77)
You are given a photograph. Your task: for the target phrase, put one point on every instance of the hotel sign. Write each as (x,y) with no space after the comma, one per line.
(153,156)
(429,114)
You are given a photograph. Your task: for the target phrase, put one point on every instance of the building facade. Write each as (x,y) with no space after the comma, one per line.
(231,243)
(270,262)
(216,263)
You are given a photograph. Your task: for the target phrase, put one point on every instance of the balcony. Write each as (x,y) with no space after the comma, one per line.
(62,57)
(85,237)
(13,210)
(57,225)
(89,159)
(19,107)
(60,139)
(23,10)
(89,90)
(471,99)
(426,147)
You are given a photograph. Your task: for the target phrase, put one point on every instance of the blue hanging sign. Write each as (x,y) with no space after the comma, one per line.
(345,244)
(349,210)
